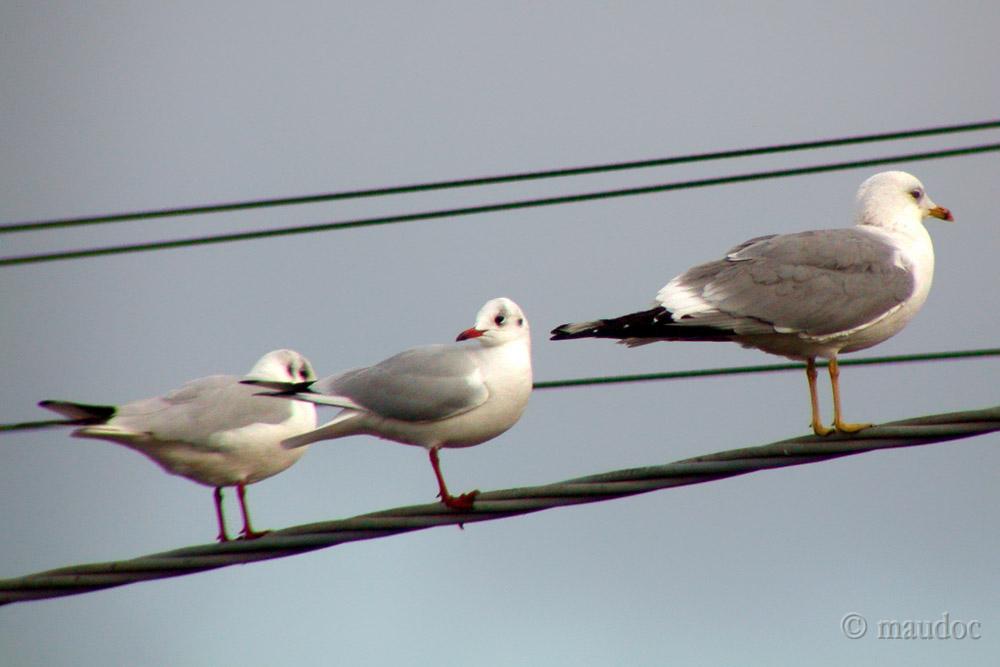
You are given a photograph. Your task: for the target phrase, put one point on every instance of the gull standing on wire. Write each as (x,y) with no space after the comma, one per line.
(215,430)
(804,296)
(453,395)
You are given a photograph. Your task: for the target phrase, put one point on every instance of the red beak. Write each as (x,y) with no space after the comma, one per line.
(469,333)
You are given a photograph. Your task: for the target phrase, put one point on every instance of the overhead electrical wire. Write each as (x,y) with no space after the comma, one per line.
(494,180)
(491,208)
(646,377)
(492,505)
(764,368)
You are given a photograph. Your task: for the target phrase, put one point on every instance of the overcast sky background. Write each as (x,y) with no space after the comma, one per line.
(119,106)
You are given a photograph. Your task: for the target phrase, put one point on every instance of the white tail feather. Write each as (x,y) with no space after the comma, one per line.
(337,427)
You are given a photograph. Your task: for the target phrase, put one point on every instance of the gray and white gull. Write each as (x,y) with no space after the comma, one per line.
(214,430)
(806,295)
(450,395)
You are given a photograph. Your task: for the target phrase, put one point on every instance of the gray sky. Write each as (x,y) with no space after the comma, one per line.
(119,106)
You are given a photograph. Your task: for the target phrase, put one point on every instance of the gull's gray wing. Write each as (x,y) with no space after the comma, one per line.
(200,409)
(422,384)
(818,283)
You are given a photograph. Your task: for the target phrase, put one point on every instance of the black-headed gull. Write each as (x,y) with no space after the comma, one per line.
(215,430)
(453,395)
(804,296)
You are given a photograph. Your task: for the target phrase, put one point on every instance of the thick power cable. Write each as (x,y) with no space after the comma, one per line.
(492,505)
(491,208)
(495,180)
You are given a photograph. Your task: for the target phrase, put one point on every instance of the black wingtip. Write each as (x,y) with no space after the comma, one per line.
(280,388)
(627,326)
(591,329)
(653,324)
(561,333)
(80,413)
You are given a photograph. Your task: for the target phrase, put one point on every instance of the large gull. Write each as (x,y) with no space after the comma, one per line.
(453,395)
(804,296)
(214,430)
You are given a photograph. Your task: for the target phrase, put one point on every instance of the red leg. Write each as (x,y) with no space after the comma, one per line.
(248,533)
(223,537)
(462,502)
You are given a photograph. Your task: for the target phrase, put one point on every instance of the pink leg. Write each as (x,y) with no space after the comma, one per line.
(462,502)
(248,533)
(223,537)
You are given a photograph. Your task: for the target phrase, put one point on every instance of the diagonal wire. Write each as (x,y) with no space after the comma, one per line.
(646,377)
(763,368)
(494,180)
(492,505)
(491,208)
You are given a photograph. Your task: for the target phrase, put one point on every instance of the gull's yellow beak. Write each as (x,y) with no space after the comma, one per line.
(941,213)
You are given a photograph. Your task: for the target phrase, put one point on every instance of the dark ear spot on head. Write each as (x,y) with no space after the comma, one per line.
(290,369)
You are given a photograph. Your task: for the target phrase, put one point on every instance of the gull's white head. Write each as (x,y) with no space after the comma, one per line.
(282,366)
(499,321)
(895,199)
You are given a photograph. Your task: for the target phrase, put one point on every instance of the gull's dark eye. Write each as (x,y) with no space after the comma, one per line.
(499,319)
(917,193)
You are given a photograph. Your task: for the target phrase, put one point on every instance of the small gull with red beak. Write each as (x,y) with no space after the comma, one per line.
(215,430)
(454,395)
(805,295)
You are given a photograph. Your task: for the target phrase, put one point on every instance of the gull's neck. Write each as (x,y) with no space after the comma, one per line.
(516,351)
(909,221)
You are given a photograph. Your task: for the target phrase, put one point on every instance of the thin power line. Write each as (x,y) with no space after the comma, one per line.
(492,505)
(768,368)
(494,180)
(645,377)
(491,208)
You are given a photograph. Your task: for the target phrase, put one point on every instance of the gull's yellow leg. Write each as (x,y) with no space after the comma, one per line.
(817,423)
(839,423)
